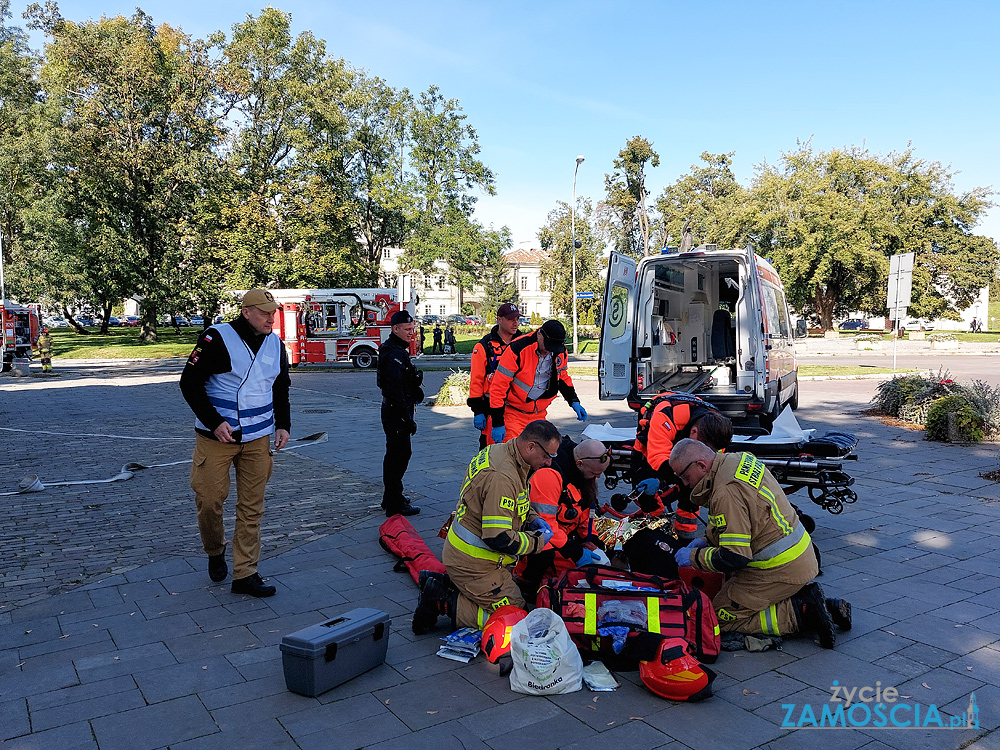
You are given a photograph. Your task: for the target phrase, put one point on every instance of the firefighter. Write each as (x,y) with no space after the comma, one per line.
(563,495)
(756,538)
(667,418)
(485,356)
(399,382)
(493,526)
(45,350)
(530,373)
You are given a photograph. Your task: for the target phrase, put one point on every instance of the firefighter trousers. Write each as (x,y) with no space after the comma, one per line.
(482,587)
(759,602)
(210,481)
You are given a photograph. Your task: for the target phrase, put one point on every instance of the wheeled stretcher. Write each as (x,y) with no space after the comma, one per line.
(797,458)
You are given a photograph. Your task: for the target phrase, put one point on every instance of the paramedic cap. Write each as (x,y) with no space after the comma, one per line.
(400,318)
(508,310)
(554,336)
(262,299)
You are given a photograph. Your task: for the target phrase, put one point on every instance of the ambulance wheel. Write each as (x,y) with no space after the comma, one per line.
(794,400)
(767,420)
(364,359)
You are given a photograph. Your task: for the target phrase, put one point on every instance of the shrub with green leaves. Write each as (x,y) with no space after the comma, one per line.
(460,382)
(892,394)
(968,424)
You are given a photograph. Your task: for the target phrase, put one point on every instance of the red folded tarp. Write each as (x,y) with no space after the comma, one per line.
(398,536)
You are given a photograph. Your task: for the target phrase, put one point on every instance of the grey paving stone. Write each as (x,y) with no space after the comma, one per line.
(982,664)
(73,601)
(84,710)
(902,665)
(760,691)
(935,631)
(743,665)
(177,680)
(278,703)
(873,645)
(26,632)
(376,679)
(902,608)
(72,737)
(686,723)
(87,691)
(356,734)
(13,718)
(447,695)
(513,716)
(988,703)
(270,632)
(136,632)
(965,612)
(940,686)
(69,642)
(154,726)
(820,670)
(447,736)
(243,692)
(253,734)
(551,733)
(202,645)
(28,680)
(172,604)
(621,706)
(313,717)
(634,734)
(922,739)
(124,661)
(841,739)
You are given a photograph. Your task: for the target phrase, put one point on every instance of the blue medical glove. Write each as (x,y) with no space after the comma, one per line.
(480,422)
(581,413)
(540,524)
(497,434)
(700,542)
(586,558)
(600,557)
(683,557)
(649,486)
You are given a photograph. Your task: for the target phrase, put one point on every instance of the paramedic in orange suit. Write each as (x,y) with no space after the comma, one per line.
(485,357)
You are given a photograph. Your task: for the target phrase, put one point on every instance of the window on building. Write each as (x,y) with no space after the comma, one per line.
(427,309)
(442,310)
(524,283)
(441,283)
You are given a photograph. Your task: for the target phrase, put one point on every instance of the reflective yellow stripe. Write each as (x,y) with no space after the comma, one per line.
(653,614)
(735,536)
(707,559)
(786,528)
(590,614)
(786,556)
(545,508)
(481,617)
(478,552)
(716,629)
(763,621)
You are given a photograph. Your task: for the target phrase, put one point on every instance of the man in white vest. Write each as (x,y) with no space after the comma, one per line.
(236,382)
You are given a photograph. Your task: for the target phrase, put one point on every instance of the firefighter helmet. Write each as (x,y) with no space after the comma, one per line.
(675,674)
(496,633)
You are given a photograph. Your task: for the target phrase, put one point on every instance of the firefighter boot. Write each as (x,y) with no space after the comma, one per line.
(437,597)
(810,604)
(840,611)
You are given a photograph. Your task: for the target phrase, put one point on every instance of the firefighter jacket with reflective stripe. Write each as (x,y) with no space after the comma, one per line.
(665,420)
(515,376)
(750,521)
(242,396)
(494,507)
(485,358)
(556,496)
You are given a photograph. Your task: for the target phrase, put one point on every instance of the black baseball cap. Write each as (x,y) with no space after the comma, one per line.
(554,336)
(402,317)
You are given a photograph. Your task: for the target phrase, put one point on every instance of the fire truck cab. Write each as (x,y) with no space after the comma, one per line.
(21,327)
(337,325)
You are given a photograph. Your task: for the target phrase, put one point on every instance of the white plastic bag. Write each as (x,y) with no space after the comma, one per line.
(546,662)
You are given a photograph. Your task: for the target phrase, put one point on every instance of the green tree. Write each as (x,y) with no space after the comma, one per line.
(625,215)
(709,197)
(137,135)
(557,271)
(495,274)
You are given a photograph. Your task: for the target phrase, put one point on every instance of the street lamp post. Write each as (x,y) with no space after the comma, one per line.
(572,232)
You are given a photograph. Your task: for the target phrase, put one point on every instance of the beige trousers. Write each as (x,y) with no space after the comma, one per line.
(210,479)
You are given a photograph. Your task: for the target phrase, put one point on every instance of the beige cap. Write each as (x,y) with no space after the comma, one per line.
(262,299)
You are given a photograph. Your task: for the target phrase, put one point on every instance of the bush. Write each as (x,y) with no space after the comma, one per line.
(968,425)
(460,380)
(892,394)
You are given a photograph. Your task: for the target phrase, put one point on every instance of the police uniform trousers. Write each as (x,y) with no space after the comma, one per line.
(482,587)
(210,481)
(758,601)
(396,425)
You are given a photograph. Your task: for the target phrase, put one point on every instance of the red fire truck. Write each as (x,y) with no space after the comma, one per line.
(337,325)
(21,326)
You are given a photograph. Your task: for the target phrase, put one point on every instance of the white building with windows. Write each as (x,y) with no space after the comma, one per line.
(439,297)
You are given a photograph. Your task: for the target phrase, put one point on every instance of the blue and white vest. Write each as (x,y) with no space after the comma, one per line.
(242,396)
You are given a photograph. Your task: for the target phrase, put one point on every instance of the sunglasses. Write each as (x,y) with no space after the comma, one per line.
(550,455)
(603,458)
(681,475)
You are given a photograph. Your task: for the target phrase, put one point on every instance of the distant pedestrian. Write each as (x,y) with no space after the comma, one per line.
(449,340)
(437,340)
(974,325)
(236,382)
(421,339)
(45,350)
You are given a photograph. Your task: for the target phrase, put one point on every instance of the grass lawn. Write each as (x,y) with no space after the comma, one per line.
(121,343)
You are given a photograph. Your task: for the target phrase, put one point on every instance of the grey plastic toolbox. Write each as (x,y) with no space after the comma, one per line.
(323,656)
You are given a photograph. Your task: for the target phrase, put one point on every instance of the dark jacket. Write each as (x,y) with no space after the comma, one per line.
(398,379)
(210,357)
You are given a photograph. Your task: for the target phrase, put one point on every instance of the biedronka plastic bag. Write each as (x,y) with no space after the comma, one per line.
(546,661)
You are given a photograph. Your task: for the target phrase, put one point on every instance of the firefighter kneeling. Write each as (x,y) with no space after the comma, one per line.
(756,538)
(493,527)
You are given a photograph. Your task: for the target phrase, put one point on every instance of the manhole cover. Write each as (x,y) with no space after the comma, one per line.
(316,411)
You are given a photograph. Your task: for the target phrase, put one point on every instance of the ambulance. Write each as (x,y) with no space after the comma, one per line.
(707,321)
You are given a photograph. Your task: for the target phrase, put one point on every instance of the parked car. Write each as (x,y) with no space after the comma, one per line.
(55,323)
(853,324)
(430,320)
(182,321)
(197,321)
(917,324)
(217,319)
(85,321)
(114,322)
(458,320)
(524,321)
(131,321)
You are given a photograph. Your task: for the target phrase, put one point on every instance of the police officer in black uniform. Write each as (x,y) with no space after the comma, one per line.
(400,383)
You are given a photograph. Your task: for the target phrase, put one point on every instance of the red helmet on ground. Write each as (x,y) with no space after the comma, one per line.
(496,633)
(675,674)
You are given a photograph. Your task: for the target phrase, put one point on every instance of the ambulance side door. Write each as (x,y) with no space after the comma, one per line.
(616,370)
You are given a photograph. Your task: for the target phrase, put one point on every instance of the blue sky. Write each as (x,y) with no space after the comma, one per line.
(545,81)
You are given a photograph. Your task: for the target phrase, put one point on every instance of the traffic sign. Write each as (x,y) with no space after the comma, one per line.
(585,295)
